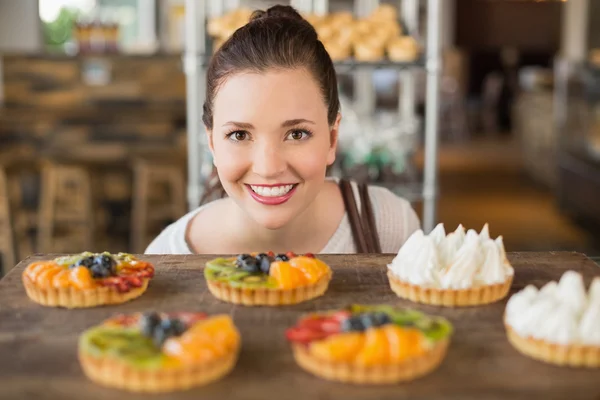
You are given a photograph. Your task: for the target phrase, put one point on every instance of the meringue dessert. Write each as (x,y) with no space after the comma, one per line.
(558,324)
(458,269)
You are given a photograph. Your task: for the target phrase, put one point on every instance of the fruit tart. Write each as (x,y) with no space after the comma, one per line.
(87,279)
(458,269)
(370,344)
(558,324)
(267,278)
(159,352)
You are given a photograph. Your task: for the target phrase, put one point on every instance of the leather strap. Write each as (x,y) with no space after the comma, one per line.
(362,224)
(353,216)
(368,218)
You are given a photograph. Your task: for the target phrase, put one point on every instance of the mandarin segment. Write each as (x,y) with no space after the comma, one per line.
(312,268)
(82,278)
(204,341)
(287,276)
(342,347)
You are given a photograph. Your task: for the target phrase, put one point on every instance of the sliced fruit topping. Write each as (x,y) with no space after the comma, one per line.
(81,278)
(342,347)
(361,322)
(287,276)
(204,341)
(159,329)
(101,265)
(126,344)
(312,268)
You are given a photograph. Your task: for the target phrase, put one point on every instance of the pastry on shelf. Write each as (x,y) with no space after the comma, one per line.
(158,352)
(367,51)
(458,269)
(370,344)
(337,51)
(87,279)
(403,49)
(267,278)
(558,324)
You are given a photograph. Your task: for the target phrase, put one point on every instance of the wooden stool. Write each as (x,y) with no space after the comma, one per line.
(148,206)
(65,205)
(7,244)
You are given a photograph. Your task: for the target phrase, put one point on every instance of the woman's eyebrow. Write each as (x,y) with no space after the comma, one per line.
(243,125)
(292,122)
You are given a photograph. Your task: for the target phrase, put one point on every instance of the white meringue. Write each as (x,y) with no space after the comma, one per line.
(560,312)
(459,260)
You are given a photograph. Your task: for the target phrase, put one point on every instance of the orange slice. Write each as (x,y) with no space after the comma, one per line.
(312,268)
(45,276)
(287,276)
(342,347)
(204,341)
(376,348)
(82,278)
(62,279)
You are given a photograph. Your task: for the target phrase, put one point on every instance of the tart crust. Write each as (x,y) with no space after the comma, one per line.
(408,370)
(112,372)
(268,296)
(474,296)
(81,298)
(571,355)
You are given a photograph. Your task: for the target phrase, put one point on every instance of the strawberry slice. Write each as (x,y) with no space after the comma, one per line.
(134,281)
(304,335)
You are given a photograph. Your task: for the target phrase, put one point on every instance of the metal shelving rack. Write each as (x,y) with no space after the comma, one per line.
(195,56)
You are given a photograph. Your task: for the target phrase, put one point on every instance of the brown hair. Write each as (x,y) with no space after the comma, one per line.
(278,38)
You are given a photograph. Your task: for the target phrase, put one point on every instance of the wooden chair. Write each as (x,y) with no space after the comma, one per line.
(65,220)
(158,196)
(7,245)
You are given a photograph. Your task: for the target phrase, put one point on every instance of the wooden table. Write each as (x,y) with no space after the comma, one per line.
(38,345)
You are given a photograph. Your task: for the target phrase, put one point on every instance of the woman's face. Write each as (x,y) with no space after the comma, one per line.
(271,143)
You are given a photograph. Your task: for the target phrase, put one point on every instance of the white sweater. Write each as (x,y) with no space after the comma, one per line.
(394,217)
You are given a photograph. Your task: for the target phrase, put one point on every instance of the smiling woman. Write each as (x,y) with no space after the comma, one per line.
(272,115)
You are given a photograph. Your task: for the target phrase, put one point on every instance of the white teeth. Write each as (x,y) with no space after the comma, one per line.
(274,191)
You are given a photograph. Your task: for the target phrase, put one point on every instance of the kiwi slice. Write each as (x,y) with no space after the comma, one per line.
(127,344)
(257,280)
(225,270)
(434,328)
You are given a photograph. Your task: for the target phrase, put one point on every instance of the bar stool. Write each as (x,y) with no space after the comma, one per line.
(65,219)
(158,196)
(7,245)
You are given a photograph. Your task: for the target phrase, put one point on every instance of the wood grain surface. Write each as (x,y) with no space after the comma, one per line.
(38,345)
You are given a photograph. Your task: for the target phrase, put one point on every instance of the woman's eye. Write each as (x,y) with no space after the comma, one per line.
(298,135)
(238,136)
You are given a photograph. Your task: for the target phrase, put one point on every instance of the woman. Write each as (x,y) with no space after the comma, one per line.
(272,117)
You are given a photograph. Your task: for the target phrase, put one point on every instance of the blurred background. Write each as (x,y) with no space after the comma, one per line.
(93,139)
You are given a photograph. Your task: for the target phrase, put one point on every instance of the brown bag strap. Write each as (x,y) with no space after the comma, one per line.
(368,218)
(362,224)
(353,216)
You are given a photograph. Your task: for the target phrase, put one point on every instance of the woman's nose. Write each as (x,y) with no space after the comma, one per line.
(268,161)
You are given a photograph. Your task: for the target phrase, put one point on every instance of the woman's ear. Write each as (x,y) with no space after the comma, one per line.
(209,140)
(333,139)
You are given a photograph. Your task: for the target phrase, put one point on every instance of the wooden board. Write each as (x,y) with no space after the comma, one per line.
(38,345)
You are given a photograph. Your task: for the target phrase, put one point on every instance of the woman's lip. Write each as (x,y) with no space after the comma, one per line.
(271,201)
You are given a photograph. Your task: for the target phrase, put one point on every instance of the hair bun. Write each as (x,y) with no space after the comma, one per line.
(277,11)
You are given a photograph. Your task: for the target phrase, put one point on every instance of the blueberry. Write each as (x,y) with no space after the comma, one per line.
(367,320)
(159,336)
(264,263)
(177,327)
(353,323)
(250,265)
(281,257)
(84,262)
(106,261)
(241,258)
(381,318)
(99,271)
(148,323)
